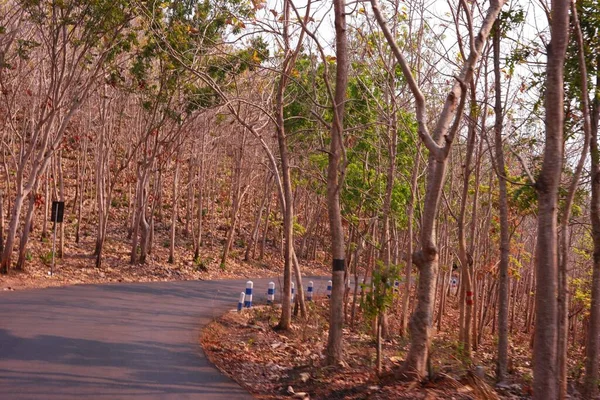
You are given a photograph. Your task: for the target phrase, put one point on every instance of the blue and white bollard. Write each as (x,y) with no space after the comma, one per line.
(241,302)
(293,291)
(248,302)
(271,293)
(309,295)
(329,285)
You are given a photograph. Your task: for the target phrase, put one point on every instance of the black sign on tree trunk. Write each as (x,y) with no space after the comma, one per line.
(58,211)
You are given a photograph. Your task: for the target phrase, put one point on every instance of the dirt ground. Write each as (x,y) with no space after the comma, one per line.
(280,365)
(78,264)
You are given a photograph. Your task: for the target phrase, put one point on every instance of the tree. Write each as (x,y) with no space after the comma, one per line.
(502,365)
(335,174)
(439,145)
(547,183)
(69,65)
(586,32)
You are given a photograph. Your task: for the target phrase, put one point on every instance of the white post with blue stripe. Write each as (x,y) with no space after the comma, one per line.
(329,285)
(241,302)
(271,293)
(248,302)
(293,291)
(309,295)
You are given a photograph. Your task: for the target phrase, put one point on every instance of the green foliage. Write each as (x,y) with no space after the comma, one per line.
(299,229)
(589,18)
(176,37)
(202,264)
(523,198)
(46,257)
(381,296)
(582,292)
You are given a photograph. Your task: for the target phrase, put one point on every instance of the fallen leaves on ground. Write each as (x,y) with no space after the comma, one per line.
(283,365)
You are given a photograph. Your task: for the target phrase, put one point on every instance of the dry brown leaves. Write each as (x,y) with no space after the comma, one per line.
(78,264)
(280,365)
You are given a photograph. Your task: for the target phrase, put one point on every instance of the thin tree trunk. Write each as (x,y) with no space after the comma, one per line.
(174,213)
(502,363)
(201,185)
(591,118)
(410,212)
(236,198)
(21,260)
(46,205)
(263,241)
(254,235)
(335,172)
(12,232)
(61,193)
(466,259)
(2,221)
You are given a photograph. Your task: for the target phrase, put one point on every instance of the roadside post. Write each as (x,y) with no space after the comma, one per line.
(56,216)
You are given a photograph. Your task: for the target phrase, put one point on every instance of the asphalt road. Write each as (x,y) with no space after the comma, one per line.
(115,341)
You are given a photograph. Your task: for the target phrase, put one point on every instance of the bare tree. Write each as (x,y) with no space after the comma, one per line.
(439,145)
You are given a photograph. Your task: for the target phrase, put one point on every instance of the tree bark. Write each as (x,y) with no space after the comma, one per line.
(410,211)
(563,289)
(335,172)
(545,373)
(254,235)
(201,185)
(466,260)
(502,363)
(21,260)
(174,213)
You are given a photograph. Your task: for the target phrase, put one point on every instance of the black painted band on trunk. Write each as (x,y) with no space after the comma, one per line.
(339,265)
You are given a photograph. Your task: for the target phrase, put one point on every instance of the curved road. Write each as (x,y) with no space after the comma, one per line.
(114,341)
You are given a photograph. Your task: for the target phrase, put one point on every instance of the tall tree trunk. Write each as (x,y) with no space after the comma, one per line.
(335,173)
(563,289)
(544,351)
(592,117)
(502,363)
(287,202)
(466,260)
(474,242)
(386,245)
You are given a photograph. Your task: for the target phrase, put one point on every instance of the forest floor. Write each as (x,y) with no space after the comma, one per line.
(78,264)
(280,365)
